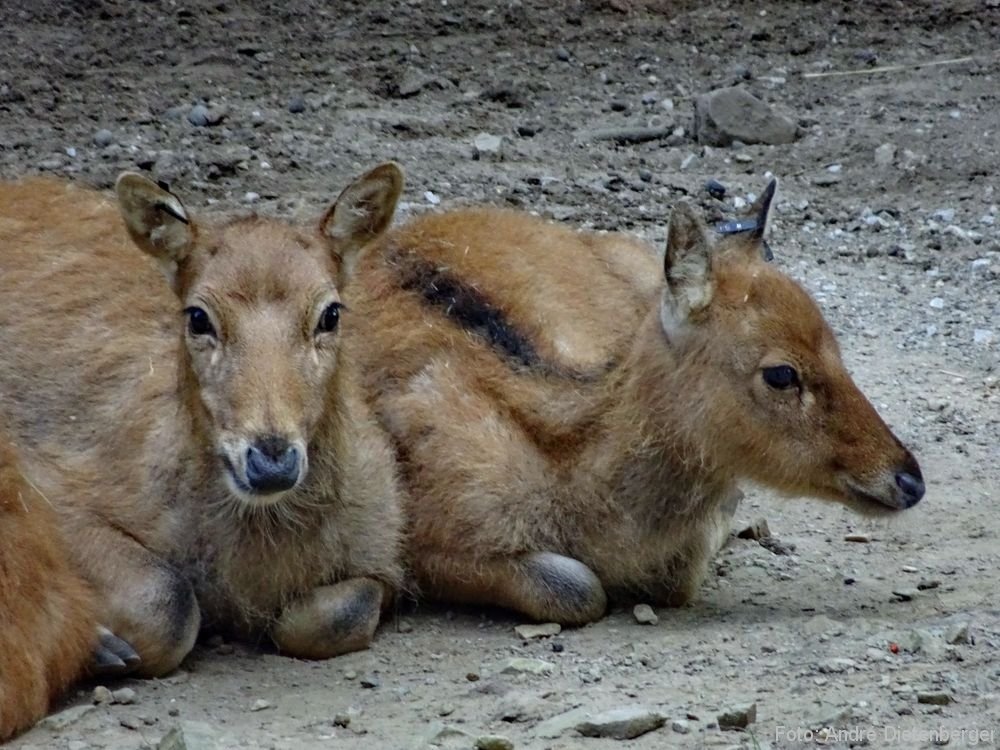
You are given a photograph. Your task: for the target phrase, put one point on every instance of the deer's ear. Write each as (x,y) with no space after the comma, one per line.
(760,210)
(156,220)
(687,260)
(362,212)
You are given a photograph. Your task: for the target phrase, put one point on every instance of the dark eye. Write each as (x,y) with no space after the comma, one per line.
(329,319)
(198,322)
(781,377)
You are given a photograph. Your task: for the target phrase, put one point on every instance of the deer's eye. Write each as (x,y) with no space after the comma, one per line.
(330,318)
(781,377)
(199,323)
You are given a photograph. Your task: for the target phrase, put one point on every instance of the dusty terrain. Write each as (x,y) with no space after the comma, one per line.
(902,250)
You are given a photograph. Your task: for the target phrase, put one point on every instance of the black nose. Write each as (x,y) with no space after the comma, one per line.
(911,484)
(272,465)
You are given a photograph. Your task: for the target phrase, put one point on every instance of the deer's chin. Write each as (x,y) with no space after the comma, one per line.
(867,503)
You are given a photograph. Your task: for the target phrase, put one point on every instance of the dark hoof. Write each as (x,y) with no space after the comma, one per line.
(112,656)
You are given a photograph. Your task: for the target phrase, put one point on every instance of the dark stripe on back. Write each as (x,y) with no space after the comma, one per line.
(468,308)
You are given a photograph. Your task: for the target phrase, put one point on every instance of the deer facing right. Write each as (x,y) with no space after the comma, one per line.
(573,412)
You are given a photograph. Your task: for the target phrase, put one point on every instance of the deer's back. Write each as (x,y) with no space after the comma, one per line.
(537,310)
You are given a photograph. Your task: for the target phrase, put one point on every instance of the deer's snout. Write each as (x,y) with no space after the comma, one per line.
(910,482)
(273,464)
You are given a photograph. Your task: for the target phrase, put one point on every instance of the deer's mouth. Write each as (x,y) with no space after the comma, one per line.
(239,486)
(869,503)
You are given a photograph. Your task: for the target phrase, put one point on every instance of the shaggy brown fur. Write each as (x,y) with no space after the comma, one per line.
(574,411)
(206,442)
(48,626)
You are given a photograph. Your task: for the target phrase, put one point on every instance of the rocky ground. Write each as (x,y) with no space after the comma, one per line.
(833,629)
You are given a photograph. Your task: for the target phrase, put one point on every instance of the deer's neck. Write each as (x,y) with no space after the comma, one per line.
(655,452)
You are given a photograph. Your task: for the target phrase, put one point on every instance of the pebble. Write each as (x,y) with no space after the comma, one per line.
(350,674)
(559,724)
(124,696)
(190,735)
(342,720)
(982,336)
(937,303)
(260,705)
(519,706)
(405,626)
(103,138)
(757,530)
(681,726)
(102,696)
(716,189)
(248,197)
(644,614)
(66,718)
(826,179)
(738,717)
(297,105)
(431,198)
(493,742)
(370,682)
(934,698)
(530,632)
(201,116)
(521,665)
(944,215)
(487,146)
(444,735)
(958,633)
(836,665)
(562,54)
(624,723)
(734,114)
(906,594)
(858,538)
(885,155)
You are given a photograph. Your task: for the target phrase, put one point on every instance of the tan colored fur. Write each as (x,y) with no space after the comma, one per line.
(48,625)
(129,421)
(617,441)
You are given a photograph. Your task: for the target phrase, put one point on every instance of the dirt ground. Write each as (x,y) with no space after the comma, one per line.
(901,245)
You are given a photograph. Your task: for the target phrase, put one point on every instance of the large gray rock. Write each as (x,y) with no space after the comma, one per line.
(624,723)
(734,114)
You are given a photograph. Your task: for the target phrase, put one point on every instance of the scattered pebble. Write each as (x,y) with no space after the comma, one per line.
(260,705)
(738,717)
(757,530)
(103,138)
(681,726)
(190,735)
(625,723)
(956,634)
(493,742)
(905,594)
(297,105)
(102,696)
(858,538)
(934,698)
(522,665)
(370,682)
(201,116)
(885,155)
(487,146)
(546,630)
(644,614)
(124,696)
(716,189)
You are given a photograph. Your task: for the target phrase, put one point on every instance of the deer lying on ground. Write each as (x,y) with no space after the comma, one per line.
(573,413)
(212,459)
(48,623)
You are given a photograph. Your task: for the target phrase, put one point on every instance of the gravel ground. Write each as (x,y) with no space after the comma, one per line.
(888,213)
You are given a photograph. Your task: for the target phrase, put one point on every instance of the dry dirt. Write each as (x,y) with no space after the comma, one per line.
(903,253)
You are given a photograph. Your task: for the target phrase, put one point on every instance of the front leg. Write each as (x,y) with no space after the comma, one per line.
(331,620)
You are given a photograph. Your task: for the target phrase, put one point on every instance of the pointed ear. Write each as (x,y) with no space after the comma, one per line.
(761,209)
(687,264)
(156,220)
(362,212)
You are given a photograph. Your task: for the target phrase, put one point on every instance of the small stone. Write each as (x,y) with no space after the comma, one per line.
(885,155)
(734,114)
(521,665)
(681,726)
(487,146)
(757,530)
(297,105)
(562,54)
(934,698)
(982,336)
(836,665)
(342,720)
(124,696)
(826,179)
(102,696)
(944,215)
(103,138)
(644,614)
(431,197)
(493,742)
(129,723)
(201,116)
(906,594)
(405,626)
(190,735)
(716,189)
(370,682)
(937,303)
(519,706)
(625,723)
(66,718)
(738,717)
(561,723)
(446,710)
(249,198)
(260,705)
(530,632)
(956,634)
(350,674)
(444,735)
(858,538)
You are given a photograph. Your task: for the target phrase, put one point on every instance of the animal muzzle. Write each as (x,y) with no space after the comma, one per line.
(273,464)
(909,483)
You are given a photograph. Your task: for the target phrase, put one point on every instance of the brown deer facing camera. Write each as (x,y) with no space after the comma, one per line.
(205,440)
(574,412)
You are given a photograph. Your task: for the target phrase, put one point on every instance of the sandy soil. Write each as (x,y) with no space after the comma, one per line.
(903,252)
